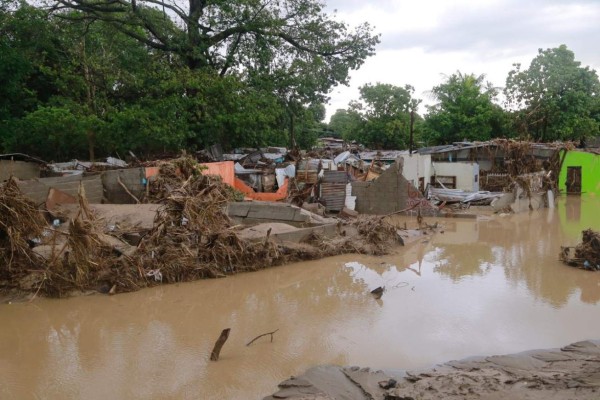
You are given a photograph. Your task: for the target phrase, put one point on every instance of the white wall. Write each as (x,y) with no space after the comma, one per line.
(415,167)
(466,173)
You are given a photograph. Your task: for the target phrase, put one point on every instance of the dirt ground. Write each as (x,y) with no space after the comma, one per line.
(572,372)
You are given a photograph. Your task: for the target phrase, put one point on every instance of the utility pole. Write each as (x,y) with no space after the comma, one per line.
(412,124)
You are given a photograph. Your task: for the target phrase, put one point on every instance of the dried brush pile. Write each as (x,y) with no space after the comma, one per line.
(586,254)
(192,238)
(87,259)
(20,222)
(364,235)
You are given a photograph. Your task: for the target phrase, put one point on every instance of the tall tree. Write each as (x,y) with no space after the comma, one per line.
(384,111)
(465,110)
(555,98)
(344,124)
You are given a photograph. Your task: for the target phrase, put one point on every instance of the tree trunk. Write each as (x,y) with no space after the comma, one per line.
(293,144)
(91,136)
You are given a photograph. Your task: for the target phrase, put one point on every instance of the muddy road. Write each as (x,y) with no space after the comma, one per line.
(487,286)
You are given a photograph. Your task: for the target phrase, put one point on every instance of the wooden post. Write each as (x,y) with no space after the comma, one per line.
(214,356)
(411,144)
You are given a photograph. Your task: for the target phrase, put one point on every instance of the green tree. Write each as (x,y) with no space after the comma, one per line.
(465,110)
(290,48)
(384,112)
(344,124)
(555,98)
(311,125)
(224,35)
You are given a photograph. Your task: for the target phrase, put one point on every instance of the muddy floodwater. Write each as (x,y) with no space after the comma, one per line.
(487,286)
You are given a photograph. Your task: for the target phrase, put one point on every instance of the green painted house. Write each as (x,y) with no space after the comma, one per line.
(580,172)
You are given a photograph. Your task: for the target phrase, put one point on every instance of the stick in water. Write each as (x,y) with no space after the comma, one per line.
(259,336)
(214,356)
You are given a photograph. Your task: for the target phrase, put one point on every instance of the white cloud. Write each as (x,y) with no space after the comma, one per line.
(422,40)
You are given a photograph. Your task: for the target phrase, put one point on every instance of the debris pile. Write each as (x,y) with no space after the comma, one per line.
(192,237)
(363,235)
(585,255)
(20,221)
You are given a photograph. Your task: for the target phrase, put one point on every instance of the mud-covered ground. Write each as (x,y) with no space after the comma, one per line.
(572,372)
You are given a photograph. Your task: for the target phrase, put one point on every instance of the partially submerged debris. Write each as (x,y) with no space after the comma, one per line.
(585,255)
(191,237)
(378,292)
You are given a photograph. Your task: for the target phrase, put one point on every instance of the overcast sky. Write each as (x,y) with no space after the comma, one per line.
(423,40)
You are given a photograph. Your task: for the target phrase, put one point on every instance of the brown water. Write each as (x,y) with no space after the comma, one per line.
(482,287)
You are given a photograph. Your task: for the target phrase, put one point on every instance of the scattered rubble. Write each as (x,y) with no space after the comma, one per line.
(191,236)
(193,220)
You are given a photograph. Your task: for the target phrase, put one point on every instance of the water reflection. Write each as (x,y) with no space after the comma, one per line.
(525,246)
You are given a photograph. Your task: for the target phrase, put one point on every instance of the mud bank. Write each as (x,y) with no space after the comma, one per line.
(572,372)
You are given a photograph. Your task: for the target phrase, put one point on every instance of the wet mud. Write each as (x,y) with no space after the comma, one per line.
(572,372)
(493,285)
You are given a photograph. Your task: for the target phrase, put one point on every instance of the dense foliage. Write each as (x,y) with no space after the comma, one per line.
(465,110)
(555,98)
(88,79)
(383,115)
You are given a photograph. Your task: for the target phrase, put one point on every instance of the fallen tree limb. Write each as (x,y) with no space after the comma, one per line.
(127,190)
(259,336)
(214,355)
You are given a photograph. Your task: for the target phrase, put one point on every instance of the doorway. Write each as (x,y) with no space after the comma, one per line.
(573,180)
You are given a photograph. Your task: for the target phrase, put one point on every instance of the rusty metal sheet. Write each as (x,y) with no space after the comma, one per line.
(335,177)
(334,195)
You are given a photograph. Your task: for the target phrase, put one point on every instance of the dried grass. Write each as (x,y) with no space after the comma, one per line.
(192,238)
(20,222)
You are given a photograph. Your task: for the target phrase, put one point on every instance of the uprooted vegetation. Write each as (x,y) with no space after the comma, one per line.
(192,237)
(585,255)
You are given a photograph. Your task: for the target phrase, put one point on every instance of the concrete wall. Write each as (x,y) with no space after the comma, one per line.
(19,169)
(386,194)
(132,178)
(466,173)
(37,189)
(416,166)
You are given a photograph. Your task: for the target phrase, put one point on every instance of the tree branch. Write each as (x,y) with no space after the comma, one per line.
(259,336)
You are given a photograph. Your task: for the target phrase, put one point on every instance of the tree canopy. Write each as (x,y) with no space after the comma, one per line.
(464,110)
(383,113)
(91,78)
(96,78)
(555,98)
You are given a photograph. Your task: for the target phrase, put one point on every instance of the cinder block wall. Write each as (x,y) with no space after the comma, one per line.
(386,194)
